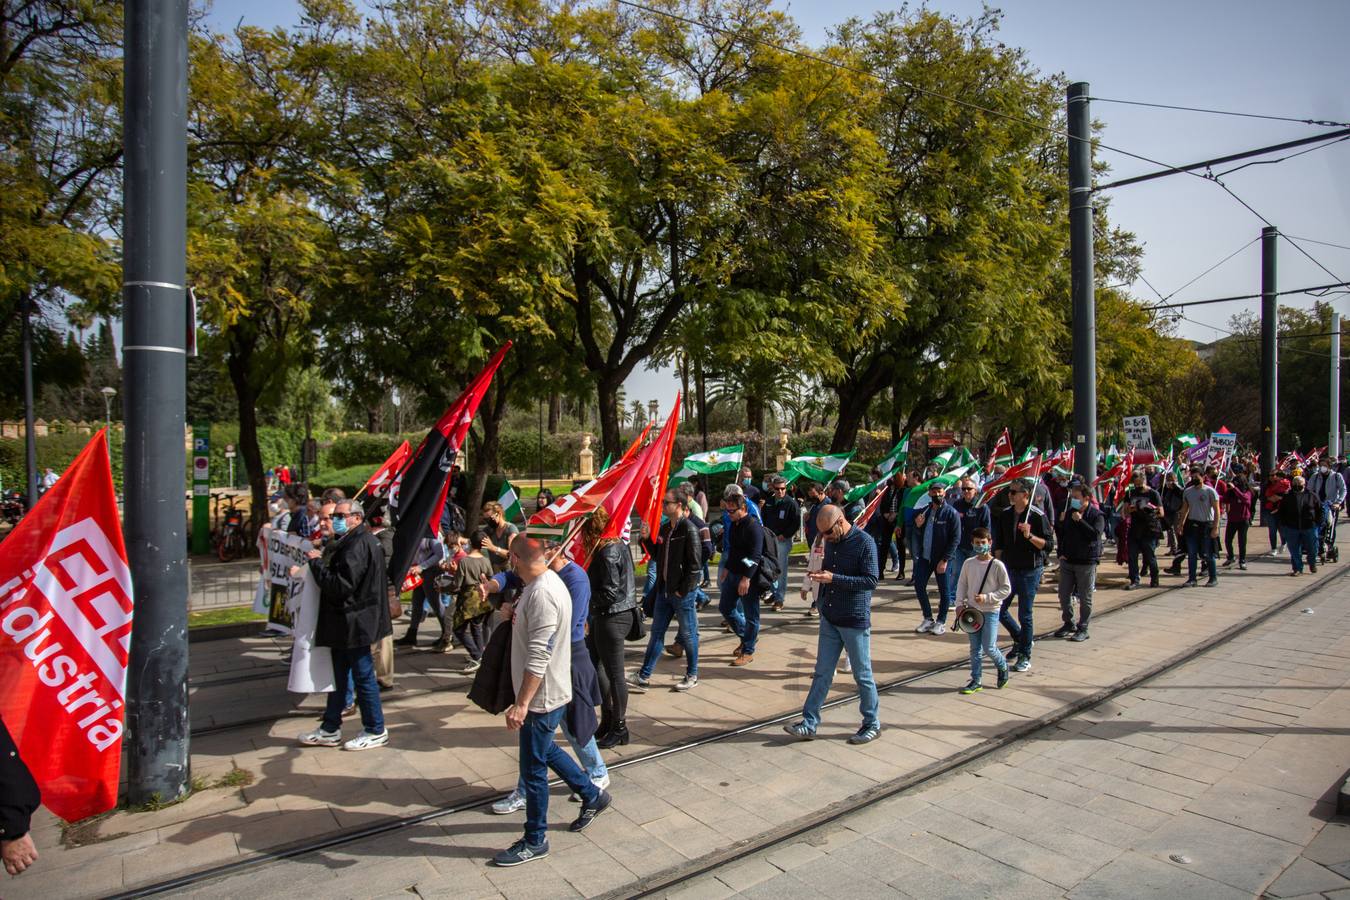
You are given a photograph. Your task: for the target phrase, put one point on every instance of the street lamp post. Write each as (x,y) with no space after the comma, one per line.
(108,393)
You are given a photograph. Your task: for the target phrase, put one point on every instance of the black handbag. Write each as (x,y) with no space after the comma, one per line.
(492,689)
(638,629)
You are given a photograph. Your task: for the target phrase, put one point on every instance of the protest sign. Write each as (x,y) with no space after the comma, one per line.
(1139,434)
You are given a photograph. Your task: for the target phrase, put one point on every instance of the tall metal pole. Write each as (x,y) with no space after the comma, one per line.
(1081,291)
(29,434)
(1270,327)
(1334,445)
(155,329)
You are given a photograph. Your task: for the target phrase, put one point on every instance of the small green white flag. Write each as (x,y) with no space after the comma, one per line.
(897,456)
(954,458)
(917,497)
(711,462)
(822,467)
(510,502)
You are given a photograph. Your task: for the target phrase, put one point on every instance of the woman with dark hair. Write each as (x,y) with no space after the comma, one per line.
(613,616)
(1237,508)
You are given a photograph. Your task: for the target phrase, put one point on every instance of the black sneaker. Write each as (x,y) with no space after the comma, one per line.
(1132,585)
(1012,658)
(1065,630)
(1002,678)
(1079,636)
(866,734)
(590,810)
(1214,581)
(1242,566)
(972,687)
(520,853)
(1189,583)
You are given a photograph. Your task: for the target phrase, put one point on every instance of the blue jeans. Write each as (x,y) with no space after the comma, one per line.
(1301,541)
(922,569)
(588,754)
(831,642)
(1024,585)
(985,642)
(741,612)
(667,608)
(954,567)
(893,551)
(1200,543)
(784,551)
(538,754)
(355,663)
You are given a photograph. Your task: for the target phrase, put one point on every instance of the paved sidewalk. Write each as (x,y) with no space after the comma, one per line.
(668,810)
(1216,780)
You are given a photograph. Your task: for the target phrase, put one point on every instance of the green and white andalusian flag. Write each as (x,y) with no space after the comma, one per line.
(1187,440)
(955,458)
(918,497)
(510,502)
(723,459)
(1027,455)
(896,457)
(822,467)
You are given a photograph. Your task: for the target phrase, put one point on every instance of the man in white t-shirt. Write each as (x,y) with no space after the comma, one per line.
(541,673)
(1199,518)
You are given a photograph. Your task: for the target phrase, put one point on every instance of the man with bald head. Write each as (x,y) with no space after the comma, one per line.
(847,578)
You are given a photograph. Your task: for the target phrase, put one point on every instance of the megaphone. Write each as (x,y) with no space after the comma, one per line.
(970,621)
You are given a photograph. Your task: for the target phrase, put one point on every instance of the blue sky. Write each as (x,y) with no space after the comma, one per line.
(1284,59)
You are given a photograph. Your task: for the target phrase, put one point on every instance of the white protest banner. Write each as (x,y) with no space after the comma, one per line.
(1222,447)
(283,551)
(1139,434)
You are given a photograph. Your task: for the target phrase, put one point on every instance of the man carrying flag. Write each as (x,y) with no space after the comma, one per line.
(1023,540)
(426,479)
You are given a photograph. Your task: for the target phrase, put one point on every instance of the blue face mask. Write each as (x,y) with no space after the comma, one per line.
(339,526)
(1075,503)
(981,549)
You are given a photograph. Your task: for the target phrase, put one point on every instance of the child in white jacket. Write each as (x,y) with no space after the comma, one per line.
(984,585)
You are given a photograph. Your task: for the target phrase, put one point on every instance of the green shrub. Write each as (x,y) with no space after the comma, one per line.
(359,449)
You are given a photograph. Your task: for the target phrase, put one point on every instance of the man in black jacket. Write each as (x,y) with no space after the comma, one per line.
(1081,526)
(19,796)
(679,570)
(1300,511)
(1023,540)
(782,517)
(747,550)
(353,614)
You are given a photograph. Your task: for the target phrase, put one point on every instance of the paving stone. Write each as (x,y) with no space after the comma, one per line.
(747,873)
(1306,877)
(1134,876)
(793,855)
(1260,808)
(705,888)
(1243,859)
(1332,844)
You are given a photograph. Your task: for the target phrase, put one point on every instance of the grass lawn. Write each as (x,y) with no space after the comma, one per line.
(231,615)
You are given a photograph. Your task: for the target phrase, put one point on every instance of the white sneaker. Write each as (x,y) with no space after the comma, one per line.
(845,664)
(939,628)
(367,741)
(926,627)
(686,683)
(320,738)
(514,802)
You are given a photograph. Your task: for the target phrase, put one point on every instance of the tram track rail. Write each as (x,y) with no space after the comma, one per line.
(654,884)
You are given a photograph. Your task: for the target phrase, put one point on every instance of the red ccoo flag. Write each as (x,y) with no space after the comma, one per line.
(423,483)
(1003,453)
(65,629)
(380,482)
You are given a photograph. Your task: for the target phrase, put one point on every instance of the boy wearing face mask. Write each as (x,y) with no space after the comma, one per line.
(1081,526)
(983,585)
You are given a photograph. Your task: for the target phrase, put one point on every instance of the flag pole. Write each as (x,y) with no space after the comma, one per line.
(1035,481)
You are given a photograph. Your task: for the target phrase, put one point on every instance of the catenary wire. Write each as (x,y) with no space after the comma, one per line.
(1222,112)
(1271,162)
(1323,243)
(1320,290)
(1211,268)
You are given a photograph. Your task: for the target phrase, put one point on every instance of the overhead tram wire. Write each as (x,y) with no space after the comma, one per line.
(1323,243)
(1211,268)
(1223,112)
(1305,290)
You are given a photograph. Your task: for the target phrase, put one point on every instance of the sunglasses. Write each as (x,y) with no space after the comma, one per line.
(967,490)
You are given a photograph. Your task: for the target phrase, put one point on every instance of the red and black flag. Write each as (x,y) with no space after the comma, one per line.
(421,493)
